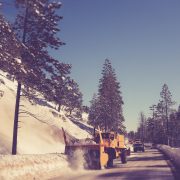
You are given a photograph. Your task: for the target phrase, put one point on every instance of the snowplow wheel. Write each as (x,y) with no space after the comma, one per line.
(128,152)
(98,167)
(110,162)
(123,157)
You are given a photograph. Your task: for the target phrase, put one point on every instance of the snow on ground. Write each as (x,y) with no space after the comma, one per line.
(85,120)
(41,134)
(40,139)
(85,117)
(172,153)
(37,167)
(31,166)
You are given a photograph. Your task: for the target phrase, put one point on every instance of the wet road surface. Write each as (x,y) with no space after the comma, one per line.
(148,165)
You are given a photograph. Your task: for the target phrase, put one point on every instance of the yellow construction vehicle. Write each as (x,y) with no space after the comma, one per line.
(100,152)
(114,146)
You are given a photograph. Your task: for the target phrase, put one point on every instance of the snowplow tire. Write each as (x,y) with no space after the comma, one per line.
(123,157)
(98,166)
(110,162)
(129,152)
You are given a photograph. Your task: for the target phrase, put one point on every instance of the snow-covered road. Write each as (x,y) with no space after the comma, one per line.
(148,165)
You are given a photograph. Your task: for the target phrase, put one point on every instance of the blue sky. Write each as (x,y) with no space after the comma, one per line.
(140,37)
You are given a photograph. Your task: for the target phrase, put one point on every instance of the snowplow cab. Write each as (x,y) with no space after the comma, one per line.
(121,141)
(111,139)
(114,145)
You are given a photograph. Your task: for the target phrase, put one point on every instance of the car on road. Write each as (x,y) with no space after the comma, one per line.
(138,146)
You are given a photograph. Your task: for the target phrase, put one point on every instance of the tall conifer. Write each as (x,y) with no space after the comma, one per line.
(36,27)
(109,115)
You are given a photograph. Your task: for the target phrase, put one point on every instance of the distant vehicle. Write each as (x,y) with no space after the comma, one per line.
(153,146)
(138,146)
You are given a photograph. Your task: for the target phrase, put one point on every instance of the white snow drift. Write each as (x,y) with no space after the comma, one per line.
(31,166)
(39,133)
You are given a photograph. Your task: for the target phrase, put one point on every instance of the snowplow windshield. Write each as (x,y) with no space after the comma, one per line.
(105,135)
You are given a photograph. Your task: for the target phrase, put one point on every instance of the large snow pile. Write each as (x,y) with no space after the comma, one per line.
(31,166)
(172,153)
(40,132)
(40,139)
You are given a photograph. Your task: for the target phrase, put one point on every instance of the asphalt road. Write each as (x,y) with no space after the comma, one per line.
(148,165)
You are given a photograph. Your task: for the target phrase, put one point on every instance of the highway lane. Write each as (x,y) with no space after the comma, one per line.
(148,165)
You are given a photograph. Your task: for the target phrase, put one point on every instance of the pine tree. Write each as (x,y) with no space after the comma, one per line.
(166,99)
(36,27)
(161,127)
(94,110)
(142,126)
(10,47)
(131,136)
(166,103)
(110,115)
(73,97)
(150,130)
(56,88)
(174,128)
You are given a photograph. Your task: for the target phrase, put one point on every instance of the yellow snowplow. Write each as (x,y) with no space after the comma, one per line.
(92,153)
(98,152)
(114,146)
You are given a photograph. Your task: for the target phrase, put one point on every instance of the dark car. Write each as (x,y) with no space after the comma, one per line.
(138,146)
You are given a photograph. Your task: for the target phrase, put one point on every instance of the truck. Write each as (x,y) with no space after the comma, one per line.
(138,146)
(114,146)
(103,148)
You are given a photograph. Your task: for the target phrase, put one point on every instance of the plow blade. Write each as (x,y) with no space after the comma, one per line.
(88,156)
(85,155)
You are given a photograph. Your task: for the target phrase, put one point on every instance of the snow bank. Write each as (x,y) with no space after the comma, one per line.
(39,132)
(44,166)
(40,138)
(172,153)
(31,166)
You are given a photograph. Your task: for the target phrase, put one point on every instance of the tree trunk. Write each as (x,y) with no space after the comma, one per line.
(59,107)
(70,111)
(16,115)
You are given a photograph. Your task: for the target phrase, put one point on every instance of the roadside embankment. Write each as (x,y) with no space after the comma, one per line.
(31,166)
(172,153)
